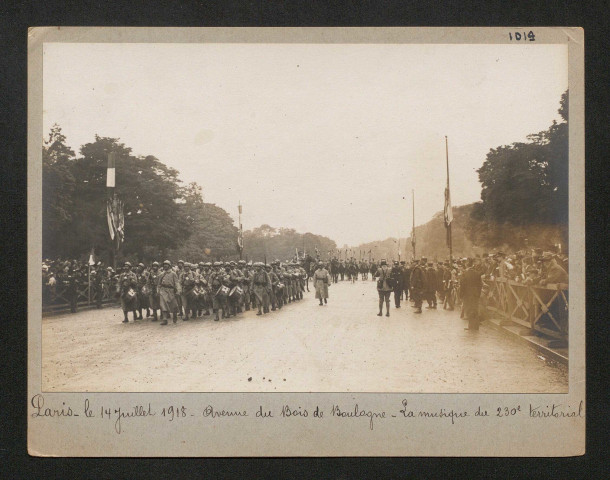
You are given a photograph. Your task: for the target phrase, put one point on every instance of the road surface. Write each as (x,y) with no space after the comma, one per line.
(341,347)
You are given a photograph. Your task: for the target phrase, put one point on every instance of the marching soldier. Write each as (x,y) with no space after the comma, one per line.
(218,297)
(321,281)
(153,290)
(179,269)
(279,286)
(142,290)
(188,296)
(169,292)
(273,278)
(128,283)
(236,277)
(261,285)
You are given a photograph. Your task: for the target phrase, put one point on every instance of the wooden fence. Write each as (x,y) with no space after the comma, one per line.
(543,309)
(56,298)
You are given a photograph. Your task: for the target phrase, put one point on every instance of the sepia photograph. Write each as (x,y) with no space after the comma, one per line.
(202,202)
(292,217)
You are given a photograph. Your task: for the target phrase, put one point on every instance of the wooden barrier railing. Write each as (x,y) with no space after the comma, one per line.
(541,308)
(57,297)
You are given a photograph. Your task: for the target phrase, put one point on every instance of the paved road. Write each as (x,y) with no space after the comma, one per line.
(304,347)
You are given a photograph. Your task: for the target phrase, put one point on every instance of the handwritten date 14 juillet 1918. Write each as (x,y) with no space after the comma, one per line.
(182,413)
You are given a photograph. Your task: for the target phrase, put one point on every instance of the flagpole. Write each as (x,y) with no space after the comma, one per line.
(413,230)
(449,205)
(241,232)
(112,200)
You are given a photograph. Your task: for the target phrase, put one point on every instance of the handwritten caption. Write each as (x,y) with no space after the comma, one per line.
(120,416)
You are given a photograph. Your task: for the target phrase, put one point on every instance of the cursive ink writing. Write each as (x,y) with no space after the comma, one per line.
(40,410)
(356,412)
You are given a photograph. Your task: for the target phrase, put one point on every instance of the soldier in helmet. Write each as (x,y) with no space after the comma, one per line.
(396,274)
(179,270)
(236,278)
(418,283)
(142,291)
(261,286)
(169,291)
(187,283)
(215,282)
(431,283)
(384,287)
(97,277)
(321,282)
(128,284)
(153,291)
(274,279)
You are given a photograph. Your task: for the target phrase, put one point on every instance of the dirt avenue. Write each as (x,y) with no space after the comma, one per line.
(341,347)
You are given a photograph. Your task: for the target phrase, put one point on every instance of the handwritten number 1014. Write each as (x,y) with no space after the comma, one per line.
(522,36)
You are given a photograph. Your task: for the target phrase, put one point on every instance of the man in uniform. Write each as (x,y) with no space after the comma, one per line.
(406,275)
(179,271)
(97,277)
(236,277)
(418,283)
(128,284)
(384,287)
(153,290)
(396,275)
(279,286)
(218,297)
(261,285)
(142,291)
(169,292)
(430,286)
(470,288)
(188,296)
(274,279)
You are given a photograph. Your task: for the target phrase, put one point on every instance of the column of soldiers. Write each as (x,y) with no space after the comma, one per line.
(350,269)
(225,289)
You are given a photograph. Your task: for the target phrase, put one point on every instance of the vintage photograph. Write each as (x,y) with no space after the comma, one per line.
(294,217)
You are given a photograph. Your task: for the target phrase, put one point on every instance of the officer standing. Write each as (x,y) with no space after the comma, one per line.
(470,289)
(430,286)
(321,281)
(418,284)
(396,275)
(384,287)
(169,291)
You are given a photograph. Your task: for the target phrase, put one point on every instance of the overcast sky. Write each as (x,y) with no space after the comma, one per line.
(328,139)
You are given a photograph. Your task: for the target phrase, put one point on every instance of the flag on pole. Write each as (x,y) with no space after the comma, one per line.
(110,173)
(92,257)
(116,219)
(413,237)
(448,209)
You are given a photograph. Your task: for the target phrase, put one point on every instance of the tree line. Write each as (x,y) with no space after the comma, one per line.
(524,202)
(163,217)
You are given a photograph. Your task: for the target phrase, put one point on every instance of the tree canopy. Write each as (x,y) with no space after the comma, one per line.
(161,216)
(524,185)
(266,242)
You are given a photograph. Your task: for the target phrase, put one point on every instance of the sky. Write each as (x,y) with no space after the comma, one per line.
(323,138)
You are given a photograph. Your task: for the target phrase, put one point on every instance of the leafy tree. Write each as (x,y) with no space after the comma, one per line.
(57,192)
(266,242)
(212,234)
(524,185)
